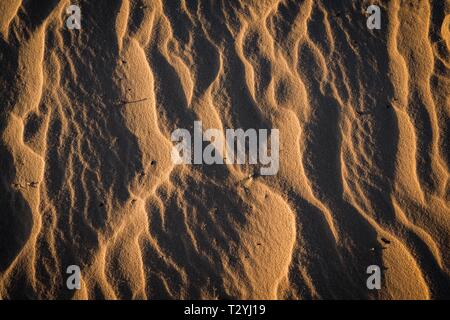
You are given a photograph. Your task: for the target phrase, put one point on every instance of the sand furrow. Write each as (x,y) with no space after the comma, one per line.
(86,142)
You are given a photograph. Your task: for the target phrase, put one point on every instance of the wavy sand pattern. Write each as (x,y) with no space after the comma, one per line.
(87,177)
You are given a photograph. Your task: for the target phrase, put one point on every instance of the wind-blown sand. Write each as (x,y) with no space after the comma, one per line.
(87,178)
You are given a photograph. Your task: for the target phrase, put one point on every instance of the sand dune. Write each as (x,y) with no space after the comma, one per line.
(87,177)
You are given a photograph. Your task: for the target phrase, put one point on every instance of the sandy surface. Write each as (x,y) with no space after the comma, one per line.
(85,142)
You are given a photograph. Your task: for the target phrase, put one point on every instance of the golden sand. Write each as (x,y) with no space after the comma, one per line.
(87,178)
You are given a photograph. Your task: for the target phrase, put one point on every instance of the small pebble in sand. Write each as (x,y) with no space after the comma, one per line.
(254,175)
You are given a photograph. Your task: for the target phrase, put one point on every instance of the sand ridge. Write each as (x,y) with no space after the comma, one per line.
(87,177)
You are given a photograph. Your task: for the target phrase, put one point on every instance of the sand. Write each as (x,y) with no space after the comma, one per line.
(85,150)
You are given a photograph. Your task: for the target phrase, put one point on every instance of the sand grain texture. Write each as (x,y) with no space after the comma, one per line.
(87,177)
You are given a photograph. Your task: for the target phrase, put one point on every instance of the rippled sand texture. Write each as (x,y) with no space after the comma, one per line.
(87,178)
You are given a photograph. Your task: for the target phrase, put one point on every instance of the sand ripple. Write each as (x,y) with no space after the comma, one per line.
(85,145)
